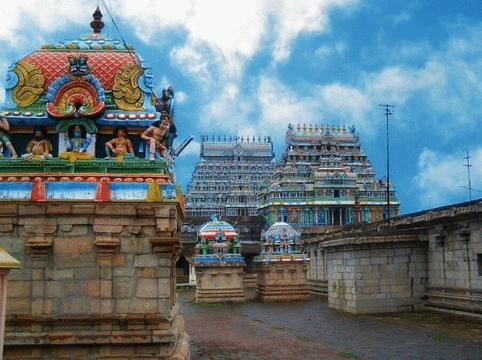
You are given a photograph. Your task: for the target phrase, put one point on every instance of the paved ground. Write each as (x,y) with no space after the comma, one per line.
(309,330)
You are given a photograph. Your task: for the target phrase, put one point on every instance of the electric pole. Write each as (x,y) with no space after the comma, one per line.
(468,173)
(388,112)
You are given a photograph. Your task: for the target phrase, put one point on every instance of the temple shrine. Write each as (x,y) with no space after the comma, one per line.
(229,175)
(90,206)
(218,264)
(282,266)
(324,178)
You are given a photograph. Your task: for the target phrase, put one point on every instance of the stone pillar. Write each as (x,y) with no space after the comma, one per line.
(98,281)
(285,280)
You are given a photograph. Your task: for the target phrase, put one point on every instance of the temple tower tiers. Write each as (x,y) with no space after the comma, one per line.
(89,205)
(282,267)
(324,178)
(229,175)
(218,264)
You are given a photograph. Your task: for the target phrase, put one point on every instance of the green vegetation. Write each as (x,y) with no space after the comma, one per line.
(303,338)
(347,355)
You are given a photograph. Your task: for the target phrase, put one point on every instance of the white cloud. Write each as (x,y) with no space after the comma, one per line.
(181,97)
(41,20)
(442,178)
(326,51)
(405,16)
(302,16)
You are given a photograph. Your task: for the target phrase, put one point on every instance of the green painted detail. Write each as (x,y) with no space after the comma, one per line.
(89,125)
(111,166)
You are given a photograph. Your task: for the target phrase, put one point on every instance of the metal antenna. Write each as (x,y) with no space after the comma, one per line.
(388,113)
(468,173)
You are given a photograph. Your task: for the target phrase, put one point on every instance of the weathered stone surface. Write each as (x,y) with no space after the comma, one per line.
(73,245)
(76,289)
(147,288)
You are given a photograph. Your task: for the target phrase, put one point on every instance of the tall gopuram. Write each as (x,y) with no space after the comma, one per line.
(229,175)
(324,178)
(89,205)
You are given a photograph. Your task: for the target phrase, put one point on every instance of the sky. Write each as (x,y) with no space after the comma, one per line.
(252,67)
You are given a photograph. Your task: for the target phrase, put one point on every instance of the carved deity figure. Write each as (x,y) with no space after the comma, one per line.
(76,141)
(157,137)
(4,138)
(120,145)
(39,147)
(165,104)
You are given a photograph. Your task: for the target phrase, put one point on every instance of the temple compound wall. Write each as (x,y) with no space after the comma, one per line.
(426,260)
(96,280)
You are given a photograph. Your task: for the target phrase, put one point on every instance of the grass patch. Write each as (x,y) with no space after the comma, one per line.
(443,336)
(347,355)
(278,328)
(210,305)
(424,316)
(303,338)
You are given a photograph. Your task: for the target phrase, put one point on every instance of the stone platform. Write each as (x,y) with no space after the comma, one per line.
(282,280)
(97,280)
(219,282)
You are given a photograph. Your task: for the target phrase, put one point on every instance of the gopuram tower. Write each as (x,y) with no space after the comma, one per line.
(89,205)
(324,178)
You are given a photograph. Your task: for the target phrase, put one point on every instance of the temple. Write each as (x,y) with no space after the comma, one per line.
(229,175)
(324,178)
(89,204)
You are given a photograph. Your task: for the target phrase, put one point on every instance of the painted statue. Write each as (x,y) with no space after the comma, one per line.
(120,145)
(165,104)
(4,138)
(157,136)
(77,141)
(40,147)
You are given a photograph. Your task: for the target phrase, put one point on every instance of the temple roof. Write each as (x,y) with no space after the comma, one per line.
(115,81)
(281,232)
(217,228)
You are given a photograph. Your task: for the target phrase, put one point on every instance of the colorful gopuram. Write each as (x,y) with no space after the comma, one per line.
(282,267)
(218,264)
(324,178)
(89,205)
(229,175)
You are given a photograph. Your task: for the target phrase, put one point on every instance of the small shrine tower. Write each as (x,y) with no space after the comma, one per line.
(282,267)
(218,264)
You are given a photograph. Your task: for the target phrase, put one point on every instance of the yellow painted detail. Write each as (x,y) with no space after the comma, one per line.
(154,192)
(30,83)
(128,95)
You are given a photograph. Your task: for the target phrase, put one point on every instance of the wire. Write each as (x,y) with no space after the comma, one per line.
(122,38)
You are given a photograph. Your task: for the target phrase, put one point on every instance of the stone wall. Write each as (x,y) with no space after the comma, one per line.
(376,274)
(431,258)
(97,281)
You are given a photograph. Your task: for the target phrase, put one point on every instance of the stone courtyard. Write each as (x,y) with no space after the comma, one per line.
(310,330)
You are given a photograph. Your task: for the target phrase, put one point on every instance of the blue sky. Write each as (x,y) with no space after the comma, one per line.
(252,67)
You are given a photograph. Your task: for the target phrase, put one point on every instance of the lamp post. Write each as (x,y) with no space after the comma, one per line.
(387,113)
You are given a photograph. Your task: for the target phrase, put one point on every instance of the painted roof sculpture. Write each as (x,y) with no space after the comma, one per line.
(91,101)
(281,243)
(280,232)
(99,73)
(217,242)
